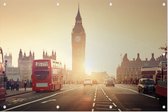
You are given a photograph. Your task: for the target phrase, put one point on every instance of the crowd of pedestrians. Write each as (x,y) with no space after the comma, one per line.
(15,85)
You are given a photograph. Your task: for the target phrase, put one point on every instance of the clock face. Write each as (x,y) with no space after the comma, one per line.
(77,38)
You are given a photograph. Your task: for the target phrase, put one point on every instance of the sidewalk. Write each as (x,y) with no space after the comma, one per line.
(28,90)
(131,86)
(14,92)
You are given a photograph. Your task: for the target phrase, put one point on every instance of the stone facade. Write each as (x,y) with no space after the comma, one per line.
(78,49)
(13,73)
(25,65)
(8,58)
(52,56)
(130,70)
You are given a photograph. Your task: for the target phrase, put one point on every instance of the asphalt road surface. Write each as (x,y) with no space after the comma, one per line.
(85,98)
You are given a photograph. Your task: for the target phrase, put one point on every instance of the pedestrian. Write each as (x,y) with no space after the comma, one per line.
(12,85)
(17,85)
(25,84)
(8,85)
(30,83)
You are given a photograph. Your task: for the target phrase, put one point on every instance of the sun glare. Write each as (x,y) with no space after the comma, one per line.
(88,68)
(58,4)
(4,4)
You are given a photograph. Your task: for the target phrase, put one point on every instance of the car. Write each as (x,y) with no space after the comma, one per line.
(146,85)
(87,82)
(109,82)
(95,82)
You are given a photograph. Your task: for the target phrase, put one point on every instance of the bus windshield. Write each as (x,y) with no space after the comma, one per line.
(148,82)
(41,75)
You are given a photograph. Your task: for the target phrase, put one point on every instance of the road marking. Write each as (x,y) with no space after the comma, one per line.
(106,95)
(40,99)
(94,99)
(110,99)
(92,110)
(48,100)
(93,104)
(103,92)
(119,110)
(110,106)
(95,95)
(148,95)
(114,104)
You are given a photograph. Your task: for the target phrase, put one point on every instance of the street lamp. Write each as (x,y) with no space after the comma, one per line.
(162,70)
(5,78)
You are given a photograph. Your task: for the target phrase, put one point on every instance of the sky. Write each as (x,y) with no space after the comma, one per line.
(126,26)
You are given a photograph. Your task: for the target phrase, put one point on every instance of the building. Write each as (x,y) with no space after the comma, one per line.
(78,49)
(68,77)
(130,70)
(11,72)
(52,56)
(8,58)
(25,65)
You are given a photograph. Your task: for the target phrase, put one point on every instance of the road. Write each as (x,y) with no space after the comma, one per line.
(85,98)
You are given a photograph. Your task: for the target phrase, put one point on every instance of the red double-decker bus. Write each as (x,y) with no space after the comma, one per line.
(2,77)
(46,75)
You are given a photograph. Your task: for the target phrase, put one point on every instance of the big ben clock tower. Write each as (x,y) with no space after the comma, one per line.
(78,49)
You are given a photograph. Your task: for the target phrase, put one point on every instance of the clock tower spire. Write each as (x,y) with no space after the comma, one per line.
(78,16)
(78,49)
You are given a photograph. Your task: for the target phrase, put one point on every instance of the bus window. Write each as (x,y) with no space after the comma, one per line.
(41,75)
(42,64)
(57,71)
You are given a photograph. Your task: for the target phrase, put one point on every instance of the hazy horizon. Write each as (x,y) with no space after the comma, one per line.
(128,26)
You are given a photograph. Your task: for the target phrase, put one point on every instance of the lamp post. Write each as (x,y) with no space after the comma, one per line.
(164,54)
(5,78)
